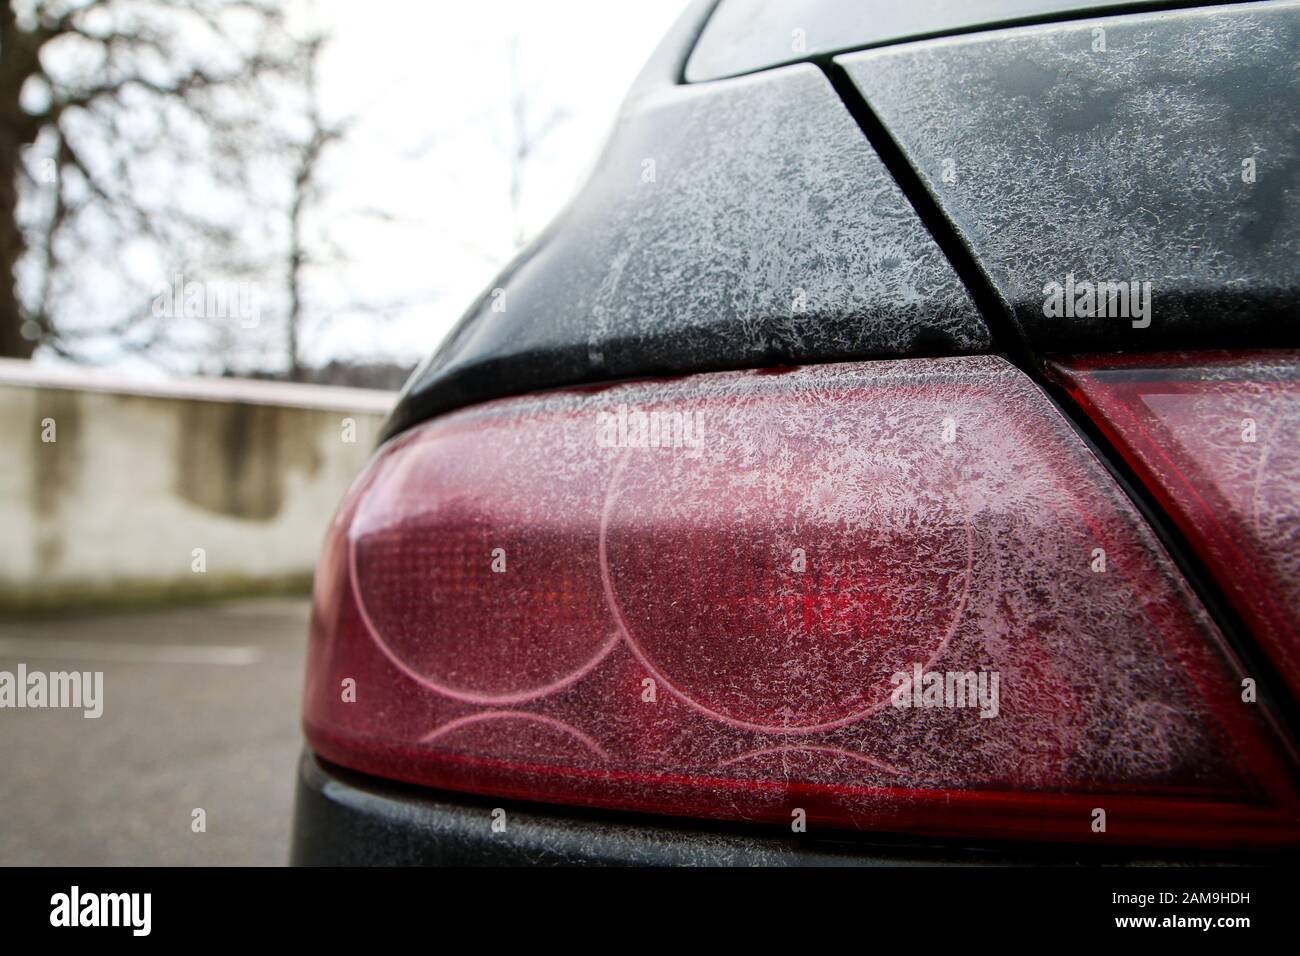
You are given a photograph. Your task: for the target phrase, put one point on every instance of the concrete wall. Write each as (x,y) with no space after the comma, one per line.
(138,476)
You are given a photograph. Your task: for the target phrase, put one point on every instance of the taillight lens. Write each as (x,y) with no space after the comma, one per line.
(898,595)
(1216,436)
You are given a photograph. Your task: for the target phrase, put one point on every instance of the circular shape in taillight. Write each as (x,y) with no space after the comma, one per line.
(506,733)
(772,577)
(469,568)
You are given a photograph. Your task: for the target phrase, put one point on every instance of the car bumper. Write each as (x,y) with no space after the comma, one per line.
(343,818)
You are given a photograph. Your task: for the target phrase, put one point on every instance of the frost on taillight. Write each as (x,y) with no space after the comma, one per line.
(1216,436)
(895,596)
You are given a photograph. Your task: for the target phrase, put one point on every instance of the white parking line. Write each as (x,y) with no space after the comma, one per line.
(131,653)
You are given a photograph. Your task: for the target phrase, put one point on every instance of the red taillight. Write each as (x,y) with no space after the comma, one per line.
(1216,436)
(712,596)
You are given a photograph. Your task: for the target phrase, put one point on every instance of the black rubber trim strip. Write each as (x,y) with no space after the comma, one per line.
(695,40)
(996,311)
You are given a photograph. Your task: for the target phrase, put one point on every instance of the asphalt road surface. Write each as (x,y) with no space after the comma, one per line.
(200,712)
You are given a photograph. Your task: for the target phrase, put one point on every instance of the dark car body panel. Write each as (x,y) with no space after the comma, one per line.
(772,234)
(746,224)
(1117,165)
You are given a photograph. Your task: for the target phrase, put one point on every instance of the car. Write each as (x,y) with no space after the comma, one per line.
(891,454)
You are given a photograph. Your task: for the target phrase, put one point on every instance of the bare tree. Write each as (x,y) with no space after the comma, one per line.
(527,135)
(313,257)
(132,137)
(307,153)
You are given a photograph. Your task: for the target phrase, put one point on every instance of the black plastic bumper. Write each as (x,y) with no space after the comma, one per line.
(343,818)
(346,819)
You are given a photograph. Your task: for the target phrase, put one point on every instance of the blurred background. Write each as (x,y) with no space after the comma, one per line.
(228,231)
(352,173)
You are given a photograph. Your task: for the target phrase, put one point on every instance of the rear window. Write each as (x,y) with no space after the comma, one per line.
(747,35)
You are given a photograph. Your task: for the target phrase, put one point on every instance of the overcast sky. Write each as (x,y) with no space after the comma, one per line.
(428,84)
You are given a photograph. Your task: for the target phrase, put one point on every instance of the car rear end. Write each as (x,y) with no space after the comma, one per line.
(892,454)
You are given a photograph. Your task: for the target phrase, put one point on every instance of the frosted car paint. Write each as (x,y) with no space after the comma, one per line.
(746,224)
(1164,149)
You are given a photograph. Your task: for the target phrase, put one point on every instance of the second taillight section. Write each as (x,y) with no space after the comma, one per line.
(898,596)
(1216,436)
